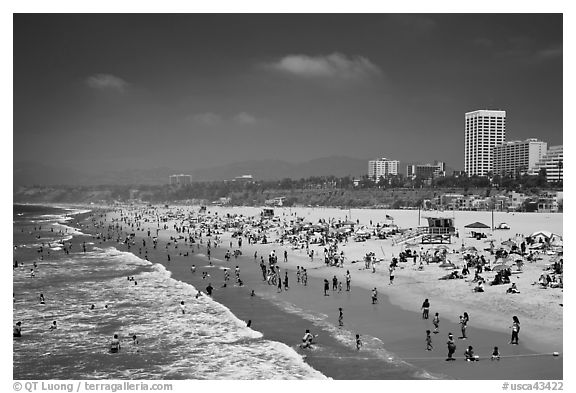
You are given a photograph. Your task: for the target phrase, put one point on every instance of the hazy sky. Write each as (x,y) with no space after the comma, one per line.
(190,91)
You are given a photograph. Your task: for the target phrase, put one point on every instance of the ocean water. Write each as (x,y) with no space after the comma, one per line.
(206,342)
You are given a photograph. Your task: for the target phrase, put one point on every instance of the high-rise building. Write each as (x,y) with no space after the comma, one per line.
(553,163)
(426,171)
(517,156)
(382,167)
(180,180)
(484,129)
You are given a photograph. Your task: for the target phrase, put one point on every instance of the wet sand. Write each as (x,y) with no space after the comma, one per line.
(402,332)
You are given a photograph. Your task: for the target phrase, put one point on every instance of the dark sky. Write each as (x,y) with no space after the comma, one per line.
(190,91)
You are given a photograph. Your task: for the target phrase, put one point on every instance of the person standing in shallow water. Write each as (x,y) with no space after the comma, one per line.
(326,287)
(374,296)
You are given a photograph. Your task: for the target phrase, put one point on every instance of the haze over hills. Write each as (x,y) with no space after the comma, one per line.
(32,173)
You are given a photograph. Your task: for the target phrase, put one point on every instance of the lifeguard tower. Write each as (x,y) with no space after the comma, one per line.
(439,230)
(267,213)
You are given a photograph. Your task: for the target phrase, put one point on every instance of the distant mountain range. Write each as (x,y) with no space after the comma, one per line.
(31,173)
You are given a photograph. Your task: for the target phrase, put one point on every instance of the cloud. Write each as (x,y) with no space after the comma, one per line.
(214,119)
(106,82)
(207,118)
(335,65)
(549,53)
(244,118)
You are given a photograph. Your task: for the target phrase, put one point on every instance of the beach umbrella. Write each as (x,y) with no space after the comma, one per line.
(471,248)
(497,268)
(442,247)
(477,225)
(348,222)
(557,243)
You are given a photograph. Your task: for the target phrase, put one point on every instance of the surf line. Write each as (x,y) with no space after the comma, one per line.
(554,354)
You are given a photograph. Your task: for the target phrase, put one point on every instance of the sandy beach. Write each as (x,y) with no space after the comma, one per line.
(396,320)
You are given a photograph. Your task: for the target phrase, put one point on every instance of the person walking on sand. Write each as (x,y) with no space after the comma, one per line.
(326,287)
(515,330)
(279,284)
(463,325)
(340,317)
(285,281)
(436,322)
(348,279)
(428,341)
(425,309)
(304,277)
(391,270)
(451,347)
(285,256)
(298,274)
(374,296)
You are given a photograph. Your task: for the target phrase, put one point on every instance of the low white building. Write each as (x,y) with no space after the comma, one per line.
(180,180)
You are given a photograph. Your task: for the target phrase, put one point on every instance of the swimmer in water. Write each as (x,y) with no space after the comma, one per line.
(182,307)
(115,344)
(53,326)
(41,298)
(358,342)
(307,339)
(18,329)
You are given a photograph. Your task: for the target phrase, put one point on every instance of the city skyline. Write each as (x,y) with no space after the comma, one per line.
(194,91)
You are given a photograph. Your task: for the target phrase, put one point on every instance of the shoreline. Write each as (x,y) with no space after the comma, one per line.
(318,272)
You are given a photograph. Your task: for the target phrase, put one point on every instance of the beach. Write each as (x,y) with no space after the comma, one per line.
(393,331)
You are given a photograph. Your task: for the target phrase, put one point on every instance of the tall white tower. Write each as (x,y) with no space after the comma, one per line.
(484,129)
